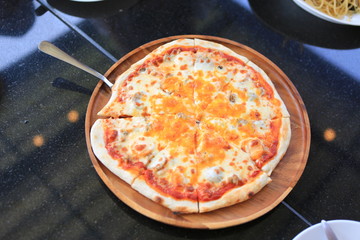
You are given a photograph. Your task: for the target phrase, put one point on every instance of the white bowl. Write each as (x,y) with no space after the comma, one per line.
(353,20)
(343,229)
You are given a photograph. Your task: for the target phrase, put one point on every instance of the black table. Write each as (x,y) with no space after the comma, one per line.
(49,188)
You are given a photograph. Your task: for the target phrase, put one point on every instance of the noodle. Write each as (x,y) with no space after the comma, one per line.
(336,8)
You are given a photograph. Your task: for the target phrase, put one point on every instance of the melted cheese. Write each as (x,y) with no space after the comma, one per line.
(159,160)
(213,174)
(142,147)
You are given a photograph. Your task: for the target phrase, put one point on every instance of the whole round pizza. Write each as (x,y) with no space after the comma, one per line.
(193,126)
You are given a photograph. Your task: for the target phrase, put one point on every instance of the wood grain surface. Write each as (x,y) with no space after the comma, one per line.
(284,177)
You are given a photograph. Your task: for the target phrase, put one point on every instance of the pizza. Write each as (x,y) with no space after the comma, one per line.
(193,126)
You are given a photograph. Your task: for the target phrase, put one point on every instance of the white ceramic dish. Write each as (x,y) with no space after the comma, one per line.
(343,229)
(354,20)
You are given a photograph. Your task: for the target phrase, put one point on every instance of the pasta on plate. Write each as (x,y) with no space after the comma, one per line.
(336,8)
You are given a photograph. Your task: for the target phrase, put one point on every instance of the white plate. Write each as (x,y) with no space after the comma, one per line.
(343,229)
(354,20)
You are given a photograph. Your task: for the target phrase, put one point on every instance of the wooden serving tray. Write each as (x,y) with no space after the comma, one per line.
(284,177)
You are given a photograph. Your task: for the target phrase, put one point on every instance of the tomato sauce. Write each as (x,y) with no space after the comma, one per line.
(207,192)
(177,191)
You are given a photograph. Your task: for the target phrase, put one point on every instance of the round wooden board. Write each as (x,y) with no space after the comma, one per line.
(284,177)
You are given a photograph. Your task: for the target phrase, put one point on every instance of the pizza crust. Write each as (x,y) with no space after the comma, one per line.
(99,149)
(284,141)
(221,48)
(284,111)
(236,195)
(184,42)
(175,205)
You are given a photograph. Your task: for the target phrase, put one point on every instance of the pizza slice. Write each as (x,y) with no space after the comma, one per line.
(160,83)
(264,89)
(266,141)
(250,95)
(170,177)
(121,146)
(226,174)
(215,66)
(126,145)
